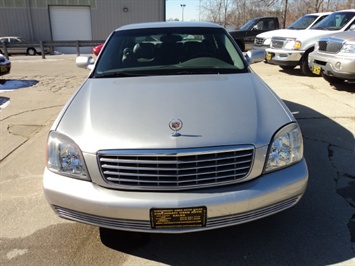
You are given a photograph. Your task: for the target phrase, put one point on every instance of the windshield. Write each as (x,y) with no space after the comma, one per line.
(335,21)
(168,51)
(302,23)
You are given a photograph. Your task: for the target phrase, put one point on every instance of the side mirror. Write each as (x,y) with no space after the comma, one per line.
(85,62)
(255,56)
(352,27)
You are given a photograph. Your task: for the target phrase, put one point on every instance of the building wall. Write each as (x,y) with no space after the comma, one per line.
(30,18)
(105,22)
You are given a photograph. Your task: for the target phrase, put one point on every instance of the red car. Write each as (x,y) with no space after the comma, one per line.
(96,50)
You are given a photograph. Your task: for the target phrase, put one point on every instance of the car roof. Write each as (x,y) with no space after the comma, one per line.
(345,10)
(319,13)
(168,24)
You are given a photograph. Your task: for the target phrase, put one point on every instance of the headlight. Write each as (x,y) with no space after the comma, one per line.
(286,148)
(348,48)
(267,41)
(292,44)
(64,157)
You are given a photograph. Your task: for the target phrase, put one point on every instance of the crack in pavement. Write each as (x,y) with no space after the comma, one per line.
(32,110)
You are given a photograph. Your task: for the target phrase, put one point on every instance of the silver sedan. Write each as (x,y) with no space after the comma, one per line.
(172,132)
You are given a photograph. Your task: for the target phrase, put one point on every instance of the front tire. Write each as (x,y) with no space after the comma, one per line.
(305,67)
(31,51)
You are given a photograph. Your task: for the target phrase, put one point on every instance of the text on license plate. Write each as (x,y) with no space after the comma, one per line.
(178,218)
(316,70)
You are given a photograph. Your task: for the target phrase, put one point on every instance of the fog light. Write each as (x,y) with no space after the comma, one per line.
(338,65)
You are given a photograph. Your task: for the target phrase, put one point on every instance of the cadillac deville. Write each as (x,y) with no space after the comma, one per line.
(172,132)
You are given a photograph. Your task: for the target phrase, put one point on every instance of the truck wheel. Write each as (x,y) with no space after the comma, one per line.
(241,45)
(332,80)
(31,51)
(304,65)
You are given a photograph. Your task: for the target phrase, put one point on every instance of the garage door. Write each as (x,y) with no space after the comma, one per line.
(70,23)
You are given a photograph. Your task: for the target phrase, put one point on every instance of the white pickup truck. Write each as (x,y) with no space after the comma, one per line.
(291,48)
(263,40)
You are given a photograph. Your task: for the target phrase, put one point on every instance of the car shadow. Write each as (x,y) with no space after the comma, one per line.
(314,232)
(346,86)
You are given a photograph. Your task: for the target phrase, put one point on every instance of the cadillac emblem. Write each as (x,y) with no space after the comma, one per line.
(175,125)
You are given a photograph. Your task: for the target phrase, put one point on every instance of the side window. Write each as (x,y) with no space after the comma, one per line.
(259,25)
(269,24)
(14,40)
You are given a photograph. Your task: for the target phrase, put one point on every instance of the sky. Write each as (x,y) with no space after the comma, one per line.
(174,9)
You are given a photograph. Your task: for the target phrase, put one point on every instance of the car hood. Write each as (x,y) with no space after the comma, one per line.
(281,33)
(134,113)
(303,34)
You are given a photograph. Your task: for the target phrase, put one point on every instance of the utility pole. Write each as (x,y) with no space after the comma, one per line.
(182,15)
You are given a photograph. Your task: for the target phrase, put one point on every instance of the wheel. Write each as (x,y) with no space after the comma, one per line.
(332,80)
(304,65)
(287,67)
(31,51)
(241,45)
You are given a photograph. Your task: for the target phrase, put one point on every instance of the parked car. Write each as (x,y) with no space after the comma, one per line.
(245,36)
(334,57)
(263,40)
(31,50)
(96,50)
(155,141)
(291,49)
(5,65)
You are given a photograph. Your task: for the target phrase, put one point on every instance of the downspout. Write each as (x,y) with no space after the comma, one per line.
(29,16)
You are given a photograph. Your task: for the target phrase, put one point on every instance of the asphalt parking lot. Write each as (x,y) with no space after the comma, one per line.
(320,230)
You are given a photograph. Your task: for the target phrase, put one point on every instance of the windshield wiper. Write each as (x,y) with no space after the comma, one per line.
(319,28)
(118,75)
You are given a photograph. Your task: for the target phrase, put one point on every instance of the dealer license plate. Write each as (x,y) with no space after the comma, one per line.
(178,218)
(316,70)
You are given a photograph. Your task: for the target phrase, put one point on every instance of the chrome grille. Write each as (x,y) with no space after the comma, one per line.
(277,43)
(175,169)
(259,41)
(330,45)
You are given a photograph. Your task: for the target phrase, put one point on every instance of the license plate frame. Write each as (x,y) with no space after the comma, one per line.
(316,70)
(3,68)
(178,218)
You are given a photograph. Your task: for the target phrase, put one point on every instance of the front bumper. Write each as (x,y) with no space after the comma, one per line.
(334,65)
(5,69)
(87,202)
(283,57)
